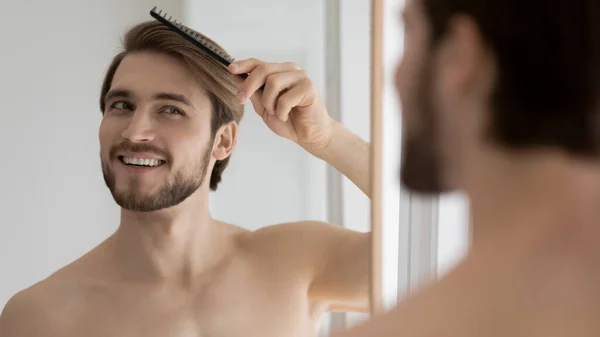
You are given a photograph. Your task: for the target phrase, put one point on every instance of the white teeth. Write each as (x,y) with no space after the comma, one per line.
(141,161)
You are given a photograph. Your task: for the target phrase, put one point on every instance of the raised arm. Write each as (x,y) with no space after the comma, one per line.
(349,154)
(336,258)
(291,107)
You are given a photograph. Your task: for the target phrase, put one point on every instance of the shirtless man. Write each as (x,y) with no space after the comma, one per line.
(170,269)
(501,99)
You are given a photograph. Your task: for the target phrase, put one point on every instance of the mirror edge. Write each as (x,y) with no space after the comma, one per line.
(377,80)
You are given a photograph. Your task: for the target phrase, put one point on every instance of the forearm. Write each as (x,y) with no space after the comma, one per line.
(348,154)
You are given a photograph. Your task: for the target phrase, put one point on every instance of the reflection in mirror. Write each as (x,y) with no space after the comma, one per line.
(422,237)
(115,219)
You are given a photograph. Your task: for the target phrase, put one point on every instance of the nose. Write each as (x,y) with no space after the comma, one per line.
(140,128)
(397,77)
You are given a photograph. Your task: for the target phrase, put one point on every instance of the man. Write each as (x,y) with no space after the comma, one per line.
(169,125)
(501,99)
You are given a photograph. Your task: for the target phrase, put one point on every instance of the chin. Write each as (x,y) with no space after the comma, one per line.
(137,193)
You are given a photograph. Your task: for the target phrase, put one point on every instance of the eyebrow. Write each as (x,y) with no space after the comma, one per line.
(161,96)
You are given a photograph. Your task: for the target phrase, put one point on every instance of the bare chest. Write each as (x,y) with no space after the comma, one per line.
(234,305)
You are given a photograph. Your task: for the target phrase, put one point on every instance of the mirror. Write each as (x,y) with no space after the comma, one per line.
(56,206)
(418,239)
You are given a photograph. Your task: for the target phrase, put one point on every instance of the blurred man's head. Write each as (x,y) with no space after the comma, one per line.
(498,75)
(169,120)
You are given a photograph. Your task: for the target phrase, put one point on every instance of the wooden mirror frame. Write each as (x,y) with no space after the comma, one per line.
(377,81)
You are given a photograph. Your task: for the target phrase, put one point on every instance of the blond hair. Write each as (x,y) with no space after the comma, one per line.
(213,76)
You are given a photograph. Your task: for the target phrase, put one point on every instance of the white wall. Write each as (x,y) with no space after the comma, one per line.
(453,231)
(355,64)
(355,106)
(54,205)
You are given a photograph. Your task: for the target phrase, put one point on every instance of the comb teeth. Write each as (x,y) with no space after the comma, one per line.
(191,35)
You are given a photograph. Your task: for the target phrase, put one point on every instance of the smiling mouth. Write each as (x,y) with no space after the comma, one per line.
(141,162)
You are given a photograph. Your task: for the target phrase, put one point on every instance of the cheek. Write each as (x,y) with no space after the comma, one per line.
(107,135)
(447,102)
(402,88)
(407,70)
(451,127)
(103,134)
(407,80)
(189,152)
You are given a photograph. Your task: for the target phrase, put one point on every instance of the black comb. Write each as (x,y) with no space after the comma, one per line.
(198,40)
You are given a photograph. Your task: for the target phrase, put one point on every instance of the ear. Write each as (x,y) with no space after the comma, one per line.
(225,139)
(465,57)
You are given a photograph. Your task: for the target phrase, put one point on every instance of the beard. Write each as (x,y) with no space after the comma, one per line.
(178,187)
(421,164)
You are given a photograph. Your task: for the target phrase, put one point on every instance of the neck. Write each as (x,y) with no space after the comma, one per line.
(529,195)
(173,244)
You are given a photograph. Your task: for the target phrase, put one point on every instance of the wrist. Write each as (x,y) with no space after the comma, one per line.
(327,144)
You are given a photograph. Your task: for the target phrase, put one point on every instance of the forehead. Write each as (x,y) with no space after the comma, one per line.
(146,73)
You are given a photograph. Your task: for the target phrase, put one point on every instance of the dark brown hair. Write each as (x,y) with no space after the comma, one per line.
(210,74)
(547,90)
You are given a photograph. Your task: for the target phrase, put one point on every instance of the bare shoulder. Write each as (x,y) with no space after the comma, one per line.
(29,313)
(20,316)
(36,310)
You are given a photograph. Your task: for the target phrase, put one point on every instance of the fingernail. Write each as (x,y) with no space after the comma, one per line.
(233,67)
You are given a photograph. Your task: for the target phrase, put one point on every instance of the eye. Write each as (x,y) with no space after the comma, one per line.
(121,105)
(171,110)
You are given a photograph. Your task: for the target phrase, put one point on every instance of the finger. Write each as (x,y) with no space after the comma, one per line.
(248,65)
(258,76)
(276,84)
(244,66)
(286,102)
